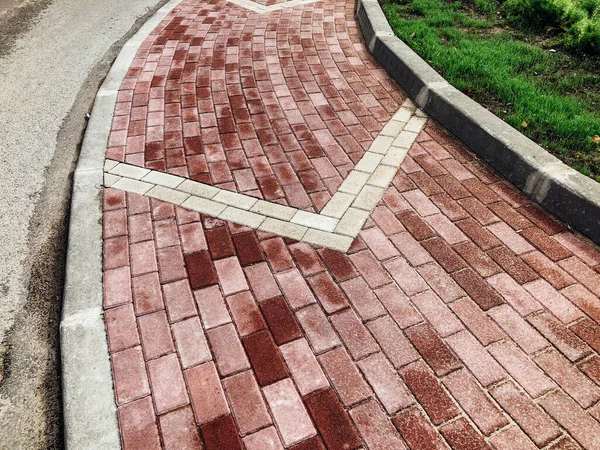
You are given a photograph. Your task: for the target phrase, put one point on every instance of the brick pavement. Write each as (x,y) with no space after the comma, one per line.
(279,105)
(461,317)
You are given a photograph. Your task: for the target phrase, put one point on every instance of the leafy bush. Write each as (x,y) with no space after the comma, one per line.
(585,34)
(578,19)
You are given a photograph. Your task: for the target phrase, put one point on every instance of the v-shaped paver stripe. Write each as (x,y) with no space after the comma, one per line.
(334,227)
(262,9)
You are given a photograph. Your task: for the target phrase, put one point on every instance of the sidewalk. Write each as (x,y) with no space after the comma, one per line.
(461,316)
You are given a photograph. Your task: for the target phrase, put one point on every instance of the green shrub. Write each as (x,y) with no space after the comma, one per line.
(579,20)
(585,35)
(534,13)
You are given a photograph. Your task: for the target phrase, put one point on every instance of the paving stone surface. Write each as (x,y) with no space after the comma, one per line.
(279,106)
(462,316)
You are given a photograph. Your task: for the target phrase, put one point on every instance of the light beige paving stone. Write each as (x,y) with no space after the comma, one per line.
(415,124)
(289,4)
(273,210)
(381,144)
(235,199)
(312,220)
(368,197)
(168,195)
(337,224)
(242,217)
(405,139)
(352,222)
(250,5)
(131,185)
(282,228)
(408,103)
(129,171)
(394,156)
(338,204)
(110,179)
(204,206)
(382,176)
(109,164)
(403,114)
(163,179)
(354,182)
(330,240)
(420,113)
(393,128)
(198,189)
(368,163)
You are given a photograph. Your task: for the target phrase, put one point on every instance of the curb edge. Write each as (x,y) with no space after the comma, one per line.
(89,408)
(543,178)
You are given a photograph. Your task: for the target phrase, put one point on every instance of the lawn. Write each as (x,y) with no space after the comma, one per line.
(537,75)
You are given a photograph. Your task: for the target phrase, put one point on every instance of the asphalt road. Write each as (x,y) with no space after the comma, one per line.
(53,57)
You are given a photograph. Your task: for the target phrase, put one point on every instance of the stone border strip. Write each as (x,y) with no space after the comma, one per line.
(262,9)
(571,196)
(335,227)
(89,409)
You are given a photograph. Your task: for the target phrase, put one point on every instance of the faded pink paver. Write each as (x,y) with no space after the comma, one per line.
(290,414)
(461,318)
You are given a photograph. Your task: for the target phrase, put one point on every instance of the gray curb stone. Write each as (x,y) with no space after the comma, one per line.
(89,409)
(571,196)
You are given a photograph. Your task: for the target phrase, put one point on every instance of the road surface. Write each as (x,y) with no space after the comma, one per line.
(53,56)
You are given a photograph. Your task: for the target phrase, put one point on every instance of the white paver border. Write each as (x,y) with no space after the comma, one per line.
(263,9)
(334,227)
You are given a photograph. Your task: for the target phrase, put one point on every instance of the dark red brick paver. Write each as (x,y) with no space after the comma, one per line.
(462,317)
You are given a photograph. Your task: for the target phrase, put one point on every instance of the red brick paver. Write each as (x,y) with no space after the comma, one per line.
(462,316)
(278,106)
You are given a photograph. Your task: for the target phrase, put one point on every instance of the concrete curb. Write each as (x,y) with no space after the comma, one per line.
(569,195)
(89,409)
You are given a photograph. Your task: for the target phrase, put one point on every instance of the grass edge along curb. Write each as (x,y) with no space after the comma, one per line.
(543,178)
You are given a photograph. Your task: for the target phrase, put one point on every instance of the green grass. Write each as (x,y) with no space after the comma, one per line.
(556,94)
